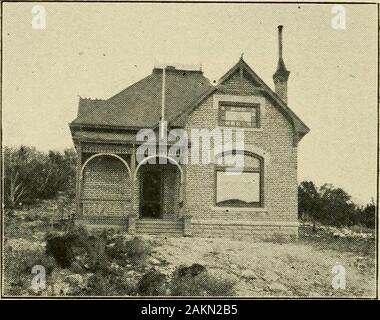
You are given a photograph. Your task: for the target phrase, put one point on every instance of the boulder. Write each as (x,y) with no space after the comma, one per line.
(75,280)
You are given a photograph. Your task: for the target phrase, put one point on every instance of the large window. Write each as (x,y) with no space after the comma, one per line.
(232,114)
(239,187)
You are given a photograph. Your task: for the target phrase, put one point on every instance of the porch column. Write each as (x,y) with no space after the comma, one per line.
(185,215)
(78,183)
(132,216)
(182,195)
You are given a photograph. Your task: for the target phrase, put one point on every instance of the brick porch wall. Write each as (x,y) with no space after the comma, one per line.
(106,188)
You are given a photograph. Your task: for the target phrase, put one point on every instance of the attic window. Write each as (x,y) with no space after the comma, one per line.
(236,114)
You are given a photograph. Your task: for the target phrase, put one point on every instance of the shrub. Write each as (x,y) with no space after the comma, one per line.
(90,248)
(60,246)
(135,250)
(196,281)
(31,216)
(152,283)
(96,253)
(100,284)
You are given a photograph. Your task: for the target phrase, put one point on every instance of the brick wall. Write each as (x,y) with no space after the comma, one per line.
(106,187)
(280,176)
(170,177)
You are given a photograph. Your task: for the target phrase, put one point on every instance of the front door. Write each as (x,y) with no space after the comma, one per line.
(150,196)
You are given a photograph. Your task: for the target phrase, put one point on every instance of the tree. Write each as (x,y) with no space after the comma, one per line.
(309,202)
(17,168)
(30,175)
(368,215)
(336,206)
(332,206)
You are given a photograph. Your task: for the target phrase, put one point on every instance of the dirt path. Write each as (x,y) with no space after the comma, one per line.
(271,269)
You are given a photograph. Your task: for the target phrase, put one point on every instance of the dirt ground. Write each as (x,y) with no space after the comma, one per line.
(301,268)
(261,269)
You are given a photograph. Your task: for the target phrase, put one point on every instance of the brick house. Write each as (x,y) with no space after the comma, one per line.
(116,190)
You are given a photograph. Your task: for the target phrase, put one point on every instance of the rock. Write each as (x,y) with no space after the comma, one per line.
(61,288)
(86,277)
(339,235)
(132,274)
(132,278)
(270,276)
(76,267)
(75,280)
(39,236)
(59,285)
(314,294)
(235,268)
(249,274)
(154,261)
(21,244)
(115,267)
(277,286)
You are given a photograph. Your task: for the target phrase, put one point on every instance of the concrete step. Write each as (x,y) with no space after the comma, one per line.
(159,227)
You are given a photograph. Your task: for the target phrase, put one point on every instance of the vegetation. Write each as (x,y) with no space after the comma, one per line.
(30,175)
(100,263)
(197,281)
(333,206)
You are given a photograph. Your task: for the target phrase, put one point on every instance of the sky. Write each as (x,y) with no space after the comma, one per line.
(96,50)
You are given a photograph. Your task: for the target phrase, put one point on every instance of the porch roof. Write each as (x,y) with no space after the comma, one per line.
(111,137)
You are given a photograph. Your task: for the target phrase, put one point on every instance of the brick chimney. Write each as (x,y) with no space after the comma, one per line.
(281,75)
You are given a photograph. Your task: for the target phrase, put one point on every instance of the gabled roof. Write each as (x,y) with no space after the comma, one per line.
(139,105)
(241,66)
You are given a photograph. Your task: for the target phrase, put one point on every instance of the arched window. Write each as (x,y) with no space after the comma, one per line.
(239,184)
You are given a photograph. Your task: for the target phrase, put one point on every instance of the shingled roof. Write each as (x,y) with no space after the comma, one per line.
(139,106)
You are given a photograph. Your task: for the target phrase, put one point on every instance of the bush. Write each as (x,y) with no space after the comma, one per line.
(64,246)
(98,285)
(135,250)
(108,285)
(90,248)
(152,283)
(61,248)
(196,281)
(31,216)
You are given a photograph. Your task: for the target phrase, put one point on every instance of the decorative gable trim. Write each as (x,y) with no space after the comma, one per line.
(300,129)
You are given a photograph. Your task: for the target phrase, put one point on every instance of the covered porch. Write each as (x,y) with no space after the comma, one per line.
(115,191)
